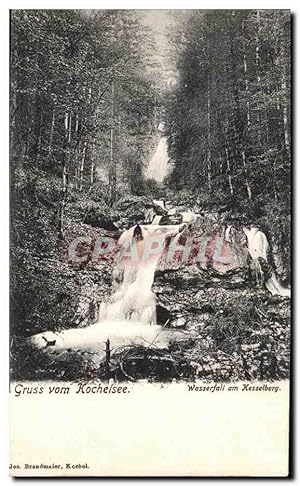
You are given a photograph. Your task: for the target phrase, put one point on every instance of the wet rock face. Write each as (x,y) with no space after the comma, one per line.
(223,326)
(92,273)
(281,262)
(95,217)
(134,210)
(127,212)
(95,287)
(202,245)
(192,293)
(234,330)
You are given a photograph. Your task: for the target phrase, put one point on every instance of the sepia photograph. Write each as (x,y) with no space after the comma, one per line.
(150,195)
(150,242)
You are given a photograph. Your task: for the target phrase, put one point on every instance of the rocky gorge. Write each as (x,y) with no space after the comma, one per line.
(214,320)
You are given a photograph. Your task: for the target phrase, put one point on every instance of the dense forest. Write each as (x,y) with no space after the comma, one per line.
(229,115)
(83,110)
(89,90)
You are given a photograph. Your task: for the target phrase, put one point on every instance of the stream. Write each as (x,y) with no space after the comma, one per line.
(129,315)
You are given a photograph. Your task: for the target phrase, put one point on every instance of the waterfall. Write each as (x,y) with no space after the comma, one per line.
(132,298)
(159,166)
(125,318)
(258,247)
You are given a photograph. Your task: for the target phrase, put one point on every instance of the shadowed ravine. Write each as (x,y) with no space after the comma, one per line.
(135,125)
(129,316)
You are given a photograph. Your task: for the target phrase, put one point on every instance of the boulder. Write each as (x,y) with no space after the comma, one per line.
(136,210)
(179,322)
(100,217)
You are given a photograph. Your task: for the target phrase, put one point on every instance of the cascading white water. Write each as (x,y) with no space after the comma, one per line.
(159,166)
(126,317)
(133,298)
(258,247)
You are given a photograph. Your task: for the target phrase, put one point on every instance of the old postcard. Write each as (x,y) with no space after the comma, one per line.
(150,158)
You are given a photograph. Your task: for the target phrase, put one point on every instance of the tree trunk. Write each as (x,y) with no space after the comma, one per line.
(82,165)
(39,142)
(229,172)
(65,173)
(258,77)
(36,126)
(208,138)
(238,121)
(155,112)
(51,133)
(257,49)
(112,176)
(92,167)
(248,187)
(246,83)
(13,92)
(285,117)
(249,192)
(69,129)
(77,150)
